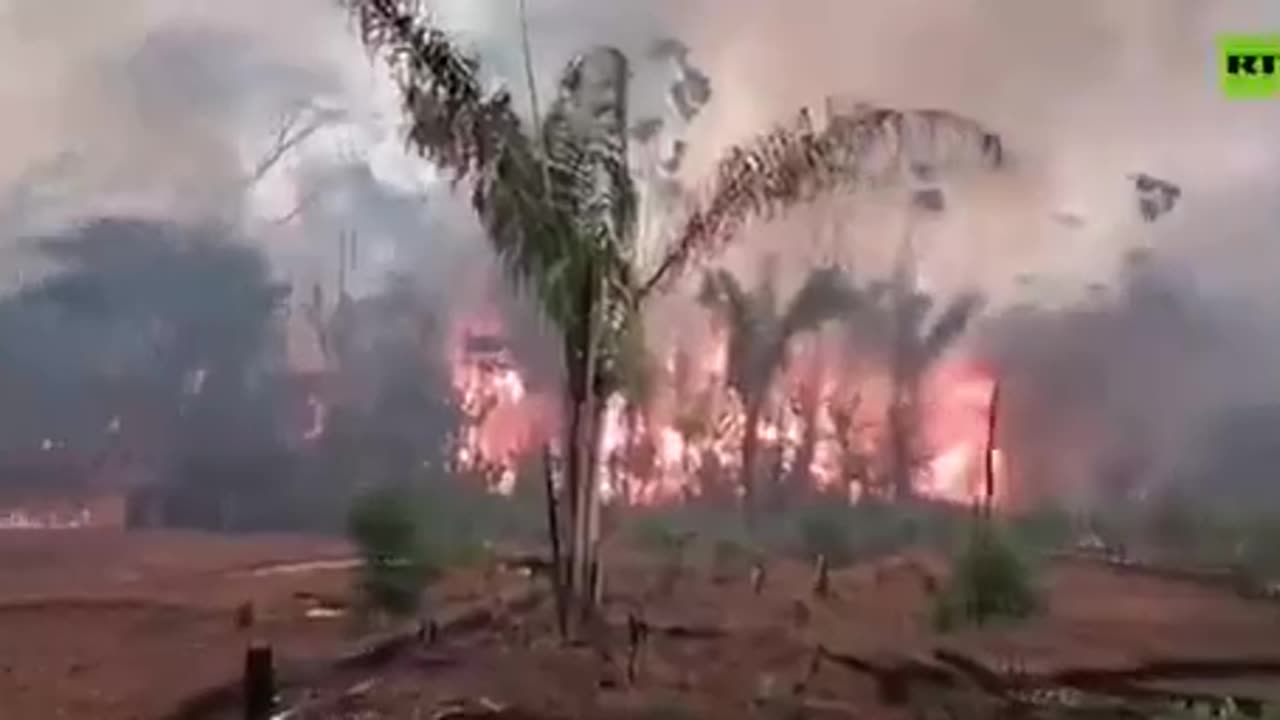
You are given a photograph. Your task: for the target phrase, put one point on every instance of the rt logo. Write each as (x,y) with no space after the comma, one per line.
(1249,66)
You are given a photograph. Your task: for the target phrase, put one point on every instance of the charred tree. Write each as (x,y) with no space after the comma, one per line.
(989,469)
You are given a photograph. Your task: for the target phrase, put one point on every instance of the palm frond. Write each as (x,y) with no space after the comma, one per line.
(825,295)
(950,325)
(591,188)
(724,295)
(792,164)
(454,122)
(911,309)
(477,137)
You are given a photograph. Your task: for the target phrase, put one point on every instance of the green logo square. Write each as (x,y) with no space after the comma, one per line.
(1249,66)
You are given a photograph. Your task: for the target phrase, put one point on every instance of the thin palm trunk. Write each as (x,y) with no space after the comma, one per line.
(902,428)
(990,469)
(750,452)
(553,531)
(586,441)
(800,479)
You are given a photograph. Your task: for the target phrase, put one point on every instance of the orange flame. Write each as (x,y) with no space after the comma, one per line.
(692,430)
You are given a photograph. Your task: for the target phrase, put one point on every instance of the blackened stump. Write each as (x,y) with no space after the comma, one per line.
(259,683)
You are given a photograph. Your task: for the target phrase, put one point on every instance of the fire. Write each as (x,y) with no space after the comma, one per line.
(503,420)
(958,435)
(687,439)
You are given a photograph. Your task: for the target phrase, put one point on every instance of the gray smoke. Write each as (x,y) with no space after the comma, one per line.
(162,109)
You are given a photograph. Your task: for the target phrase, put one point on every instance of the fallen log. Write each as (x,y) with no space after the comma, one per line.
(688,632)
(1116,682)
(1221,578)
(217,701)
(985,678)
(896,678)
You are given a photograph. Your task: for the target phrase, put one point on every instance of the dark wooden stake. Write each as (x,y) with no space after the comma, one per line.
(259,683)
(245,616)
(993,410)
(637,634)
(822,578)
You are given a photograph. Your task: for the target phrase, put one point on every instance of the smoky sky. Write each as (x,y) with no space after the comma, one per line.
(161,104)
(162,108)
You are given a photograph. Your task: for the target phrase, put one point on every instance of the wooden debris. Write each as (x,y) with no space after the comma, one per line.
(245,616)
(428,631)
(637,635)
(811,670)
(822,578)
(800,614)
(757,578)
(478,709)
(259,683)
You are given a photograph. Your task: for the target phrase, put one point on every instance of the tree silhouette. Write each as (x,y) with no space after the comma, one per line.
(558,204)
(911,338)
(759,333)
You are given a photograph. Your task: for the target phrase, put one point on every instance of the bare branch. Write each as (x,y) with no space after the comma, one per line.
(291,133)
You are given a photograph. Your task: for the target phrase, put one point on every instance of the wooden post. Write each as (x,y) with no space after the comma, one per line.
(637,634)
(558,569)
(259,683)
(822,578)
(245,616)
(993,410)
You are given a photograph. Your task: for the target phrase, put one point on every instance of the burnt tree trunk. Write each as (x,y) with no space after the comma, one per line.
(800,479)
(993,410)
(903,425)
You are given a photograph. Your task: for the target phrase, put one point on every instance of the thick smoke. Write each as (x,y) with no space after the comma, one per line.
(148,107)
(1106,393)
(1117,397)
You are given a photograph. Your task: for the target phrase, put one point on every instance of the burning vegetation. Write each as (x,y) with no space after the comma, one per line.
(815,378)
(611,379)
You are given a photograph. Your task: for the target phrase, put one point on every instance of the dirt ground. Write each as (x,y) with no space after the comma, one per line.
(716,650)
(108,626)
(100,625)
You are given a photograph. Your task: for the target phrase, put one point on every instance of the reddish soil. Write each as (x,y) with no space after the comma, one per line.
(1098,618)
(111,626)
(106,624)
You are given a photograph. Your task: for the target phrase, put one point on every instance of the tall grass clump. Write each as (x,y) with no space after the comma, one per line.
(388,529)
(991,580)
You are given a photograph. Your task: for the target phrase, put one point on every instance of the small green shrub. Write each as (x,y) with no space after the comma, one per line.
(387,527)
(990,580)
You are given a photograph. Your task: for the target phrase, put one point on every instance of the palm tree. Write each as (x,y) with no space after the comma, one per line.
(911,340)
(759,333)
(558,204)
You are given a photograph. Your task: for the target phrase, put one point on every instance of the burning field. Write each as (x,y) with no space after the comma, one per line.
(761,368)
(821,415)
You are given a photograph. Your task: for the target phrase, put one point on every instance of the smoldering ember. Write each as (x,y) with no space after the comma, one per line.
(587,359)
